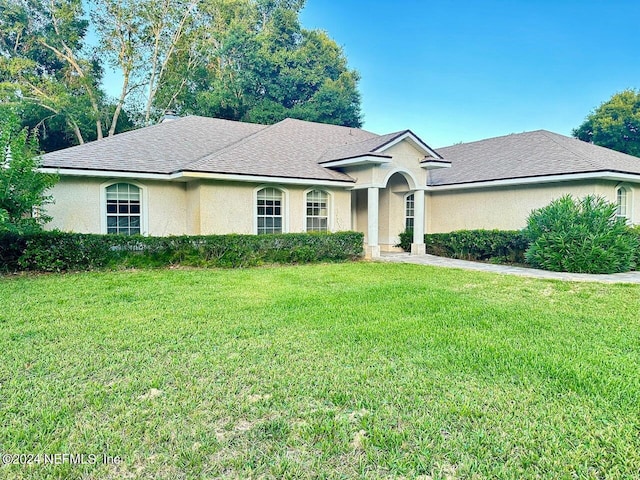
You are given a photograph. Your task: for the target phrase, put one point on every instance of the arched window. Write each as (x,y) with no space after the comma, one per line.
(317,211)
(409,211)
(123,208)
(622,202)
(270,205)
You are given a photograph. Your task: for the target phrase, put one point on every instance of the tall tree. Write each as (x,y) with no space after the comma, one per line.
(44,63)
(262,66)
(141,39)
(615,124)
(238,59)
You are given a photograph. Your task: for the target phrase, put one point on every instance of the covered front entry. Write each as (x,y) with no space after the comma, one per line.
(382,213)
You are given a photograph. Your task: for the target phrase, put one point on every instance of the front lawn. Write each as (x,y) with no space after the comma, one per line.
(328,371)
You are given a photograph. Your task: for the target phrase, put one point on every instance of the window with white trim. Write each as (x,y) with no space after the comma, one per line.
(123,208)
(270,203)
(409,212)
(317,211)
(622,202)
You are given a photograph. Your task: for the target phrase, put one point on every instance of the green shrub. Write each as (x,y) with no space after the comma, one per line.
(580,235)
(58,251)
(498,246)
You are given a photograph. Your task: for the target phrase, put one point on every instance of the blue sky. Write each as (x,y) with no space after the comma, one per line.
(458,71)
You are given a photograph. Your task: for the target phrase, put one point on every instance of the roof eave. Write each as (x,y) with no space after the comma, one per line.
(185,175)
(242,177)
(369,159)
(433,164)
(539,179)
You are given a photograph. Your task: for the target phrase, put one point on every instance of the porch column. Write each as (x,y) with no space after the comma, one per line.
(418,247)
(373,249)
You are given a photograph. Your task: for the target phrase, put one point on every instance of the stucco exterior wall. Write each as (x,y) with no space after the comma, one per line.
(167,208)
(227,207)
(199,207)
(76,205)
(506,208)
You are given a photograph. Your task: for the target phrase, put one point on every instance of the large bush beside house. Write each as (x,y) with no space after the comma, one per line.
(580,235)
(22,187)
(503,246)
(60,251)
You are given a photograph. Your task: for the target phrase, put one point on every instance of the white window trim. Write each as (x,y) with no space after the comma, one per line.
(404,207)
(285,210)
(330,216)
(629,206)
(144,208)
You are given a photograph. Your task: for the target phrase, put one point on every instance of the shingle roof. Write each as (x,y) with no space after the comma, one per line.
(529,154)
(162,148)
(290,148)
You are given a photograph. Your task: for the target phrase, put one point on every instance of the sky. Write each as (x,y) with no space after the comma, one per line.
(459,71)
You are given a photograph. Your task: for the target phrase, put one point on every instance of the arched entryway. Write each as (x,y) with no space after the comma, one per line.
(381,213)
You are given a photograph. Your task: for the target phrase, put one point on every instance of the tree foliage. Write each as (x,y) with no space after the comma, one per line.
(22,186)
(251,60)
(247,60)
(49,75)
(615,124)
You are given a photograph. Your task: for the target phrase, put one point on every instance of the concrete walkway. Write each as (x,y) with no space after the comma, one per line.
(630,277)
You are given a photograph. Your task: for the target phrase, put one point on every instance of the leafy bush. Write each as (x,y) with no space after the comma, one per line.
(22,186)
(58,251)
(580,235)
(502,246)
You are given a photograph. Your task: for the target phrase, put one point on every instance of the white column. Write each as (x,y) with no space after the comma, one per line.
(418,247)
(354,210)
(373,249)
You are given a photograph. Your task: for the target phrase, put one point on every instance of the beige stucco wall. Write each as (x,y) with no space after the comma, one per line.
(166,207)
(195,207)
(227,207)
(507,207)
(78,205)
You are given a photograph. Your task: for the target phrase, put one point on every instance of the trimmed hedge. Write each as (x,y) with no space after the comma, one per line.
(501,246)
(59,251)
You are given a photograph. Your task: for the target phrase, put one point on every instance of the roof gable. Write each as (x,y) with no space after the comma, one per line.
(414,140)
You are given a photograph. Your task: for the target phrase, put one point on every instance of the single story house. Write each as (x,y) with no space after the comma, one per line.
(198,176)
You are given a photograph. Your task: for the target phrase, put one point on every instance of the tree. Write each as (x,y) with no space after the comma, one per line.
(246,60)
(141,39)
(615,124)
(22,186)
(261,66)
(43,61)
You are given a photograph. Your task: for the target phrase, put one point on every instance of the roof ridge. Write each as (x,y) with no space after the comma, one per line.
(326,124)
(512,134)
(549,135)
(231,146)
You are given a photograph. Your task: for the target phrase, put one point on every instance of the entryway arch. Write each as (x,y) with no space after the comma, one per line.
(383,208)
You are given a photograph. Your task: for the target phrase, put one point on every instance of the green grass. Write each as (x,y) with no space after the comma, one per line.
(327,371)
